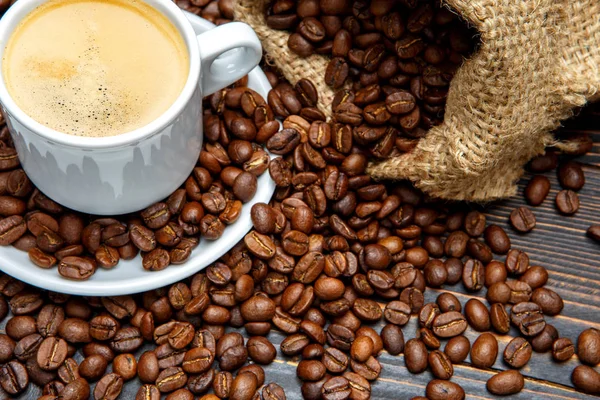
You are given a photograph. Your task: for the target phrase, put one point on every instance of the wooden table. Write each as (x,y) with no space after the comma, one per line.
(557,243)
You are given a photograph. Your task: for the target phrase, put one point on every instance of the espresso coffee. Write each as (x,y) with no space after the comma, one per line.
(95,68)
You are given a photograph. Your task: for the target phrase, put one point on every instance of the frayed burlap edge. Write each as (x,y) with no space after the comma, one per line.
(277,52)
(538,60)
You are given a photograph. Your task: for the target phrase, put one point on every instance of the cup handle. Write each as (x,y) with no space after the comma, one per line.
(219,72)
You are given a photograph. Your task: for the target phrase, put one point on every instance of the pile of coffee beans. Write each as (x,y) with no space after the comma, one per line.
(392,60)
(166,232)
(330,258)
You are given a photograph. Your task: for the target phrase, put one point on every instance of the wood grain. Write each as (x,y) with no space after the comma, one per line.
(557,243)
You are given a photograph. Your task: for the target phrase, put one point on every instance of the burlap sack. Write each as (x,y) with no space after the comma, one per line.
(538,60)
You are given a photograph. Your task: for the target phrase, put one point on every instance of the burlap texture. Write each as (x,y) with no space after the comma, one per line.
(537,61)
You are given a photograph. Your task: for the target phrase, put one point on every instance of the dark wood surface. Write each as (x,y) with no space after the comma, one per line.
(557,243)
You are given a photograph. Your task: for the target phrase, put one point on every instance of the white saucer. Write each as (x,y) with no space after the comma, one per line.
(129,276)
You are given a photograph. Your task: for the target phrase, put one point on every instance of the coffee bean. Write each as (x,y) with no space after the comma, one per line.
(497,239)
(594,232)
(473,275)
(310,370)
(484,351)
(499,318)
(444,390)
(506,383)
(93,367)
(537,189)
(448,302)
(522,219)
(449,324)
(13,377)
(273,391)
(125,365)
(392,339)
(570,175)
(457,349)
(340,337)
(517,262)
(477,315)
(567,202)
(544,340)
(535,277)
(170,379)
(499,292)
(51,353)
(586,379)
(336,388)
(440,365)
(517,352)
(79,389)
(562,349)
(109,387)
(261,350)
(522,310)
(415,356)
(588,346)
(77,268)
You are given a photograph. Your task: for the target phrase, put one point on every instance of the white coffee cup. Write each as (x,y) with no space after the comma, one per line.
(128,172)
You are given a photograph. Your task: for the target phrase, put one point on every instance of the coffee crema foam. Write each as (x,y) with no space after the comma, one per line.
(95,68)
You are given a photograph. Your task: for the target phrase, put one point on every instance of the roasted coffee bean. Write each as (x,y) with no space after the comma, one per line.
(484,351)
(594,232)
(103,327)
(499,292)
(519,292)
(77,268)
(477,315)
(499,318)
(392,339)
(522,219)
(586,379)
(517,352)
(567,202)
(13,377)
(51,353)
(340,337)
(397,312)
(310,370)
(550,302)
(457,349)
(506,383)
(336,388)
(171,379)
(109,387)
(444,390)
(428,314)
(544,340)
(125,365)
(369,370)
(20,326)
(260,350)
(440,365)
(448,302)
(588,346)
(415,356)
(570,175)
(127,340)
(147,367)
(535,277)
(537,189)
(562,349)
(334,360)
(497,239)
(79,389)
(473,275)
(93,367)
(449,324)
(522,310)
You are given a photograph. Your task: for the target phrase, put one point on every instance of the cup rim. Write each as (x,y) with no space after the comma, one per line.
(166,7)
